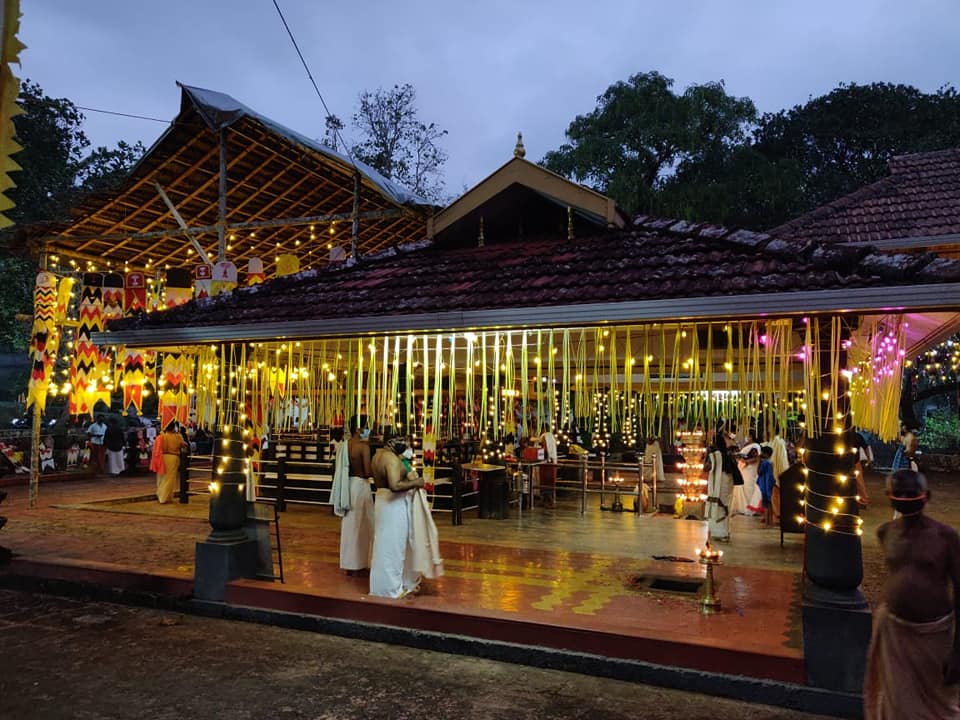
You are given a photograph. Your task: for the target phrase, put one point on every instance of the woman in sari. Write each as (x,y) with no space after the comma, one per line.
(166,462)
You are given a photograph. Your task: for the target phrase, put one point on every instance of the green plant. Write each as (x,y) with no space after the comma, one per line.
(941,430)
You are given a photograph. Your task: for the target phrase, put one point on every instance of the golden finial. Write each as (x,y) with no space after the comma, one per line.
(518,150)
(569,222)
(480,237)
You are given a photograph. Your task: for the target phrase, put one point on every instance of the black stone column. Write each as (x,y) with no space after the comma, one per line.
(836,616)
(227,553)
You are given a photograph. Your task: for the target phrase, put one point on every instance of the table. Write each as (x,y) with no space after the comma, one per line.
(487,494)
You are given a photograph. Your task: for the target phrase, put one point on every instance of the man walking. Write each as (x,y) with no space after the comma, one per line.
(913,665)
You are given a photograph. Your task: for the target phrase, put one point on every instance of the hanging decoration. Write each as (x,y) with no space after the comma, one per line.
(224,278)
(133,379)
(255,274)
(178,288)
(202,281)
(134,293)
(176,371)
(85,365)
(875,369)
(113,293)
(287,264)
(42,354)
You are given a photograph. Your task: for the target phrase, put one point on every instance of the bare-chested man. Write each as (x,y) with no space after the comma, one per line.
(391,573)
(914,661)
(354,503)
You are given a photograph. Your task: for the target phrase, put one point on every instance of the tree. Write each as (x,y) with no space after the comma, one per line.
(333,128)
(845,139)
(812,154)
(55,173)
(396,143)
(641,132)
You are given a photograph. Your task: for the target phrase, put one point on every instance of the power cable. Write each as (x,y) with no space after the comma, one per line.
(121,114)
(313,82)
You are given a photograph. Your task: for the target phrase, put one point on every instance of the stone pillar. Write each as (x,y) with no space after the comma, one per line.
(836,616)
(227,553)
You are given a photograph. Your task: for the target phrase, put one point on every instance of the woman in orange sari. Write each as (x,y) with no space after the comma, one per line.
(166,461)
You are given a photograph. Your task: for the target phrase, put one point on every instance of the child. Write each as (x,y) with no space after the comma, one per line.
(765,481)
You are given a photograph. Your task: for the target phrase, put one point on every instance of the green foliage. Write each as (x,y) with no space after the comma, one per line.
(704,155)
(941,430)
(844,139)
(395,142)
(53,143)
(105,169)
(641,132)
(55,172)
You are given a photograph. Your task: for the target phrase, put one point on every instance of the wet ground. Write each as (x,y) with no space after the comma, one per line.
(63,658)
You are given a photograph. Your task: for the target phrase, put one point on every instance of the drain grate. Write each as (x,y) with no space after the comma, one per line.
(686,586)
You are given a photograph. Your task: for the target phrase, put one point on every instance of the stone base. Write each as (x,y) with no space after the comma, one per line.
(835,643)
(219,563)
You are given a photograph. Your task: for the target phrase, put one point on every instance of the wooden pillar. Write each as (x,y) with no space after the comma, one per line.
(222,215)
(355,216)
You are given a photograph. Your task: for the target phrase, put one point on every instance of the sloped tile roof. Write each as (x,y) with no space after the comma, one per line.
(655,259)
(920,198)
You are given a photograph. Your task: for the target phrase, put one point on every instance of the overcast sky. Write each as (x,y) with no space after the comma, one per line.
(482,70)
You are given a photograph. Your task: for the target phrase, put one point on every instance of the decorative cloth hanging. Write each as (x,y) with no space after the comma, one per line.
(255,274)
(202,279)
(84,368)
(134,293)
(42,356)
(178,287)
(112,296)
(287,264)
(224,277)
(133,379)
(175,399)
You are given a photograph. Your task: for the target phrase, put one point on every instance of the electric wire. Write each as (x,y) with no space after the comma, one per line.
(121,114)
(313,82)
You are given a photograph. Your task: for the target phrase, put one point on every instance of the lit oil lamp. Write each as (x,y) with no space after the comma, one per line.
(617,481)
(709,599)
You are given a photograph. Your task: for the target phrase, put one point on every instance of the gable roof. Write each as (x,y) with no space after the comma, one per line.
(509,196)
(917,205)
(657,270)
(273,174)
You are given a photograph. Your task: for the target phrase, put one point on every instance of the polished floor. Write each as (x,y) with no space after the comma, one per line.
(614,584)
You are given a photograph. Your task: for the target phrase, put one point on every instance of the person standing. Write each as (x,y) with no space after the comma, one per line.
(913,665)
(167,462)
(765,484)
(748,461)
(721,469)
(115,443)
(391,569)
(352,499)
(97,430)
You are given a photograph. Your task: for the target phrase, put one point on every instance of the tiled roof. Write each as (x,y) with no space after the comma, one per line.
(920,198)
(655,259)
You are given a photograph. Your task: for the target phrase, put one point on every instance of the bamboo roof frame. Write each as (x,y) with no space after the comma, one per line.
(284,194)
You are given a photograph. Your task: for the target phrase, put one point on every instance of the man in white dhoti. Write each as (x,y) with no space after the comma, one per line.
(392,572)
(913,666)
(352,499)
(720,469)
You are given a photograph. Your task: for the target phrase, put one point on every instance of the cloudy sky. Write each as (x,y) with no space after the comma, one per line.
(482,70)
